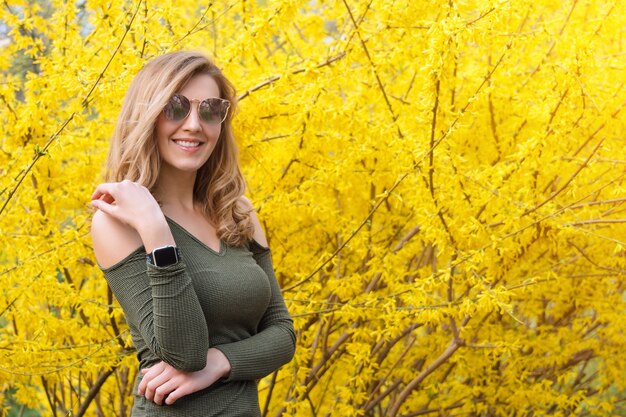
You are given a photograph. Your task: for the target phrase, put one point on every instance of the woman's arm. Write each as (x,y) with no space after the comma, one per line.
(159,302)
(274,344)
(133,216)
(248,359)
(164,384)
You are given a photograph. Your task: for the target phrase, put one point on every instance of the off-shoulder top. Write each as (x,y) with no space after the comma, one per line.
(229,300)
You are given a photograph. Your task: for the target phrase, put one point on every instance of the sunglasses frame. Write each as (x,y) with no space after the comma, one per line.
(170,116)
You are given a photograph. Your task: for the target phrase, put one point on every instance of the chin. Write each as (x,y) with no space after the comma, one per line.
(183,169)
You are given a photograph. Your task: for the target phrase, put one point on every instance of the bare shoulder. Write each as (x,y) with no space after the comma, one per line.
(259,235)
(245,201)
(112,240)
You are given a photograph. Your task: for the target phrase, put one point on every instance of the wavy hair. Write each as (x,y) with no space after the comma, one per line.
(134,155)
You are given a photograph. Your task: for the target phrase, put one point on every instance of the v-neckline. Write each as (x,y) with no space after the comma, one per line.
(222,250)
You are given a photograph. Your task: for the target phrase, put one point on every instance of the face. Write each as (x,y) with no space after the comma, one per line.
(185,145)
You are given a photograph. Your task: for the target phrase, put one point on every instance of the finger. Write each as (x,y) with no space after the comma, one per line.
(148,375)
(162,392)
(155,383)
(103,197)
(189,386)
(141,389)
(178,393)
(102,189)
(108,198)
(105,207)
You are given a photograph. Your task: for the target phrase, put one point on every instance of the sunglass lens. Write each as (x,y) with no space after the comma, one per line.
(177,108)
(213,110)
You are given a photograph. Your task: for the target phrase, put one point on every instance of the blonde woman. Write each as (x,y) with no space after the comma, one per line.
(183,250)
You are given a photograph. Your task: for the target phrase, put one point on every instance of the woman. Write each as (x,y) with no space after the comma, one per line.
(183,249)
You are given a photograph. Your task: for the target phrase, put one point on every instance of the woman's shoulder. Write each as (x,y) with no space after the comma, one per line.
(112,240)
(246,203)
(258,235)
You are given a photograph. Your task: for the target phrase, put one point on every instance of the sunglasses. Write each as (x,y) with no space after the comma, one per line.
(211,110)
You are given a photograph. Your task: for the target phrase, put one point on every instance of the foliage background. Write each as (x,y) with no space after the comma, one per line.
(442,184)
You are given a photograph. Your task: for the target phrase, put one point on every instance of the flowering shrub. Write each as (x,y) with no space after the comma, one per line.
(442,184)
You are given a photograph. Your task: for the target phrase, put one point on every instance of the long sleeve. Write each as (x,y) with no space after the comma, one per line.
(160,302)
(274,344)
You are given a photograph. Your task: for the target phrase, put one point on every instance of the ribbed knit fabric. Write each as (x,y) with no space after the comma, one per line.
(228,300)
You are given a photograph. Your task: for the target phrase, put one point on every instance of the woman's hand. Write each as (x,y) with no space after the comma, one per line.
(133,204)
(164,384)
(127,201)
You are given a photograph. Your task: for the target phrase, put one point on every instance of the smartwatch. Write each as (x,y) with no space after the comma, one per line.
(165,256)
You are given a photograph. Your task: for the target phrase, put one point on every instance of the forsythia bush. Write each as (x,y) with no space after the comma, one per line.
(442,184)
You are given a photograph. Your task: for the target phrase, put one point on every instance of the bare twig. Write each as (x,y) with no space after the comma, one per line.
(567,183)
(275,78)
(190,31)
(93,391)
(596,221)
(352,235)
(374,401)
(402,397)
(371,61)
(52,249)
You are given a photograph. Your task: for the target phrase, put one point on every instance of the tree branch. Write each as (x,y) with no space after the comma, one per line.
(93,391)
(403,396)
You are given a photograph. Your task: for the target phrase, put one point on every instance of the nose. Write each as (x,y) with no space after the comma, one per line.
(192,121)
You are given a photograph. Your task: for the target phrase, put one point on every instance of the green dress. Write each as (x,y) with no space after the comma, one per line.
(229,300)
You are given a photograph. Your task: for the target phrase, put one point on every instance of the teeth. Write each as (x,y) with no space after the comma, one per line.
(187,144)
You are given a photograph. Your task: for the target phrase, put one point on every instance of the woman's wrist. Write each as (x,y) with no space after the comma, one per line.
(155,232)
(220,361)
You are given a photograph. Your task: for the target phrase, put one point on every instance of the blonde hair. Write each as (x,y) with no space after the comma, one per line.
(134,155)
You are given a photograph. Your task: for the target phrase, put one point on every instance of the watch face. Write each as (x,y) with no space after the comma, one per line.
(165,256)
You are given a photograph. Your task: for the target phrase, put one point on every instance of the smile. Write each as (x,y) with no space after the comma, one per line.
(187,143)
